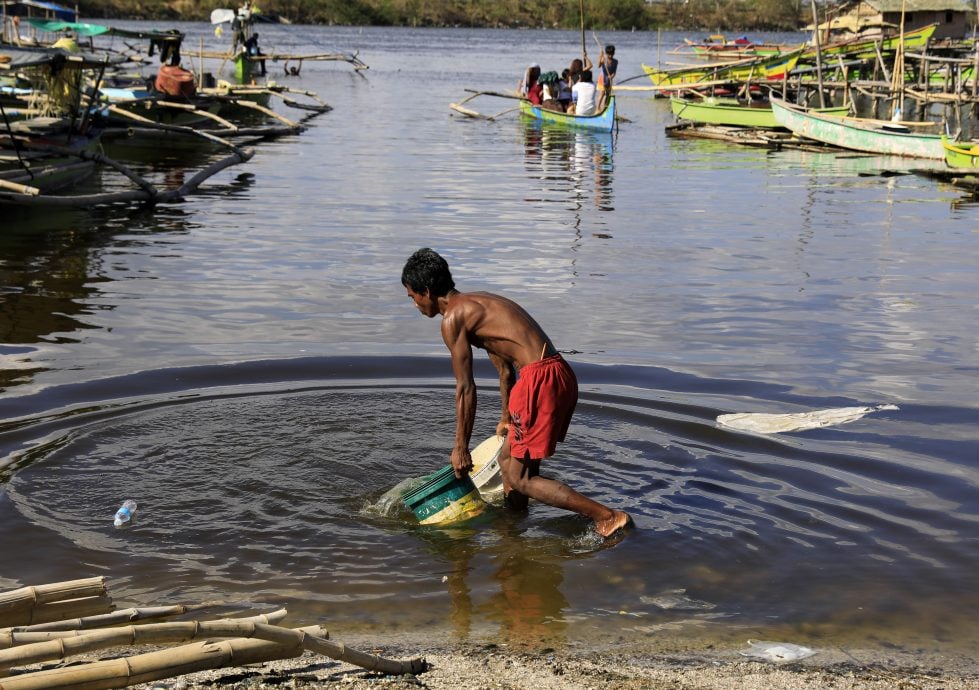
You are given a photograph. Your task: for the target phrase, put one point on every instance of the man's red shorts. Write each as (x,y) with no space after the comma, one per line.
(541,404)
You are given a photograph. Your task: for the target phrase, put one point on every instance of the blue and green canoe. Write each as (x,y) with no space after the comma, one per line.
(602,122)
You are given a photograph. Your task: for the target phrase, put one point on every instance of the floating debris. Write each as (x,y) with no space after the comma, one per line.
(776,651)
(764,423)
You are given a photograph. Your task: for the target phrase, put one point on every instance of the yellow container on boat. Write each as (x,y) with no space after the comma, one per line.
(444,499)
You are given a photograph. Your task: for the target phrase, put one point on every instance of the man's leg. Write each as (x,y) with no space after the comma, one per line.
(522,481)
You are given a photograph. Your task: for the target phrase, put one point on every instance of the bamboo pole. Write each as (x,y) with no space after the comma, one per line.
(129,615)
(13,638)
(22,599)
(273,643)
(144,668)
(819,59)
(244,103)
(60,649)
(19,188)
(898,81)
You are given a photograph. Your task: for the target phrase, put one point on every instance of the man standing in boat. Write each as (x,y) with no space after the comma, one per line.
(538,387)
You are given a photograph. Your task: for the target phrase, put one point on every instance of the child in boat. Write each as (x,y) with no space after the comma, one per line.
(583,95)
(607,66)
(564,90)
(530,86)
(549,83)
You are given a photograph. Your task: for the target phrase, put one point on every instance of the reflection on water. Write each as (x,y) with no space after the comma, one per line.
(257,487)
(571,165)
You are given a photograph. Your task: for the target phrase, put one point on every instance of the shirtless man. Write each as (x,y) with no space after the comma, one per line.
(537,407)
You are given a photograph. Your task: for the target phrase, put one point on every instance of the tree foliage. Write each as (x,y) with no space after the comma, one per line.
(704,15)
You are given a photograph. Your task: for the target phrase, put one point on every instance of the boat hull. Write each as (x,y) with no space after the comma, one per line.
(730,113)
(858,134)
(761,69)
(867,47)
(602,122)
(961,155)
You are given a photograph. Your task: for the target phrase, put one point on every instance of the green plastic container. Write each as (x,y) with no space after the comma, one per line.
(443,499)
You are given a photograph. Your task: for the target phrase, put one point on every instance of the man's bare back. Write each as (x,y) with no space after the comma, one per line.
(496,324)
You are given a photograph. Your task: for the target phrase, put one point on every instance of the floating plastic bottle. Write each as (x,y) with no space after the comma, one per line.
(125,514)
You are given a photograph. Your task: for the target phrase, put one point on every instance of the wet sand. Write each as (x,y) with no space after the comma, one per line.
(494,666)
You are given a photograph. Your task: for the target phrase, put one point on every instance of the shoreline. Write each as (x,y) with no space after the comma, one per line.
(658,662)
(493,666)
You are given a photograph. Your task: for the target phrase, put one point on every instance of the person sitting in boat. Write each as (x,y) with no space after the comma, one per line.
(549,91)
(577,67)
(251,47)
(583,95)
(530,86)
(564,90)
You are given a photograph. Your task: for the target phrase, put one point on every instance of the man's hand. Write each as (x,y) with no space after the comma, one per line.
(503,427)
(462,463)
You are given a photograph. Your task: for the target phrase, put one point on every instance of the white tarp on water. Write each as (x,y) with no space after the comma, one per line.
(765,423)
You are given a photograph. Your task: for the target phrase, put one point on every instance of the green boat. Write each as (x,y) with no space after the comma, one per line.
(861,134)
(961,154)
(603,121)
(771,68)
(867,46)
(732,112)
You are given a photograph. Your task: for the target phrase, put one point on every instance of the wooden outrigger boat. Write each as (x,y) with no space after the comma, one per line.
(720,48)
(35,159)
(861,134)
(757,69)
(245,54)
(733,113)
(961,154)
(602,122)
(867,46)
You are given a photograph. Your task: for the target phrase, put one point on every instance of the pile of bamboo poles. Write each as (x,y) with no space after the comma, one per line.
(54,622)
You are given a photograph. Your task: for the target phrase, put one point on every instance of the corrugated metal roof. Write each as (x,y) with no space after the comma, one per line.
(922,5)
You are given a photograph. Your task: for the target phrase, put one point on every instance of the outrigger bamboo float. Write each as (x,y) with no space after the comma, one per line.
(60,621)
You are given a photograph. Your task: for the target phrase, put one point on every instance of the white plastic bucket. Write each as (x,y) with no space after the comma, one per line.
(486,466)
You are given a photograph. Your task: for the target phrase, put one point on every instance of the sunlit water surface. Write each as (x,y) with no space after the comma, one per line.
(247,366)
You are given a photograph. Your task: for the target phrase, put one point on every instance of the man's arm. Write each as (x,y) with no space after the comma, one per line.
(456,339)
(508,376)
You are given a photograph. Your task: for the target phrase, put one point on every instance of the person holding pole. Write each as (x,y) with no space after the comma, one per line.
(607,66)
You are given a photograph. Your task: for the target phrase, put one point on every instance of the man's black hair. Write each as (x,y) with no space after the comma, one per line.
(426,270)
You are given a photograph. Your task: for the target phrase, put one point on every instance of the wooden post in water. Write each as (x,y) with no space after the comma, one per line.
(819,54)
(897,84)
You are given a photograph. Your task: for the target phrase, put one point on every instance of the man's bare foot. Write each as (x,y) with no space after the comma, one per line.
(618,521)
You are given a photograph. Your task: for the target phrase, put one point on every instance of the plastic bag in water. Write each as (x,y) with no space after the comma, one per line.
(764,423)
(776,651)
